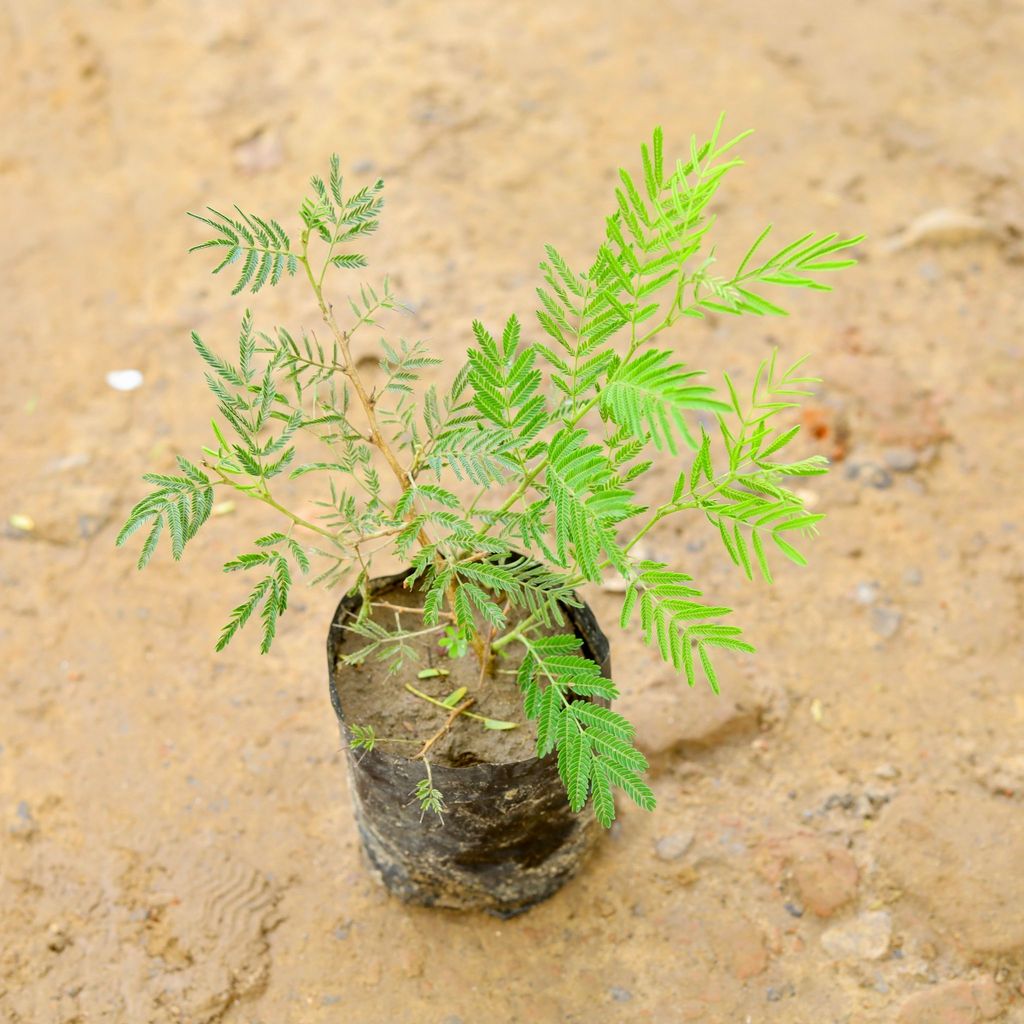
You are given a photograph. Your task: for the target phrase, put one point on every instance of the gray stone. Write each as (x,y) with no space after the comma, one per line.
(866,937)
(620,995)
(870,474)
(24,825)
(674,846)
(775,993)
(845,801)
(866,592)
(901,460)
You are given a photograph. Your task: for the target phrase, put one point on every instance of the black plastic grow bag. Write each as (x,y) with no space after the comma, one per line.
(508,839)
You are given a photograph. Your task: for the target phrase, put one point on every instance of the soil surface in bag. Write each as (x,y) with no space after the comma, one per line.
(372,695)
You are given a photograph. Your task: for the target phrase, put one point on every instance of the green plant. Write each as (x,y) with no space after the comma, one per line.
(569,424)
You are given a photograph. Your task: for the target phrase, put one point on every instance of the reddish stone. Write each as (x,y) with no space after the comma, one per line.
(825,874)
(953,1002)
(739,945)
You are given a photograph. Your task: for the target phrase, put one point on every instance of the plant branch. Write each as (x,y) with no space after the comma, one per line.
(262,492)
(400,608)
(369,403)
(461,709)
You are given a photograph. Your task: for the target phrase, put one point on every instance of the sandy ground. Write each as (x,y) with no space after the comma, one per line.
(841,834)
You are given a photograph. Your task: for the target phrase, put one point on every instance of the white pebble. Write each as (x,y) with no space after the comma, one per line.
(124,380)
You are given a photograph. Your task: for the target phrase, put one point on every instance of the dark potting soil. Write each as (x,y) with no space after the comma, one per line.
(370,696)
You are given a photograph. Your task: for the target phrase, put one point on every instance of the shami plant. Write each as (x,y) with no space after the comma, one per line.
(552,434)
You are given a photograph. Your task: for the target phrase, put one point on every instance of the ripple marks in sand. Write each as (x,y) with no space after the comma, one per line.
(219,921)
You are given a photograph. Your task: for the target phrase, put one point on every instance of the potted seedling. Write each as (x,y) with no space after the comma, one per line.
(474,689)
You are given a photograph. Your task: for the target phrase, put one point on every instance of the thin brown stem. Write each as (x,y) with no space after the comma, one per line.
(464,706)
(410,610)
(368,402)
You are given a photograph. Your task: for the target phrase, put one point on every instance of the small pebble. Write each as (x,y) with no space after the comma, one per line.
(866,937)
(885,621)
(870,474)
(864,808)
(900,460)
(261,151)
(66,462)
(124,380)
(878,795)
(22,522)
(620,995)
(866,593)
(887,771)
(794,909)
(847,801)
(674,846)
(59,939)
(24,826)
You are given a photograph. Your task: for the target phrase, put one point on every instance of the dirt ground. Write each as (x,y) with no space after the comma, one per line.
(840,835)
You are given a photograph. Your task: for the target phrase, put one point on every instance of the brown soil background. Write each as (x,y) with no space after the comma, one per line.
(841,833)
